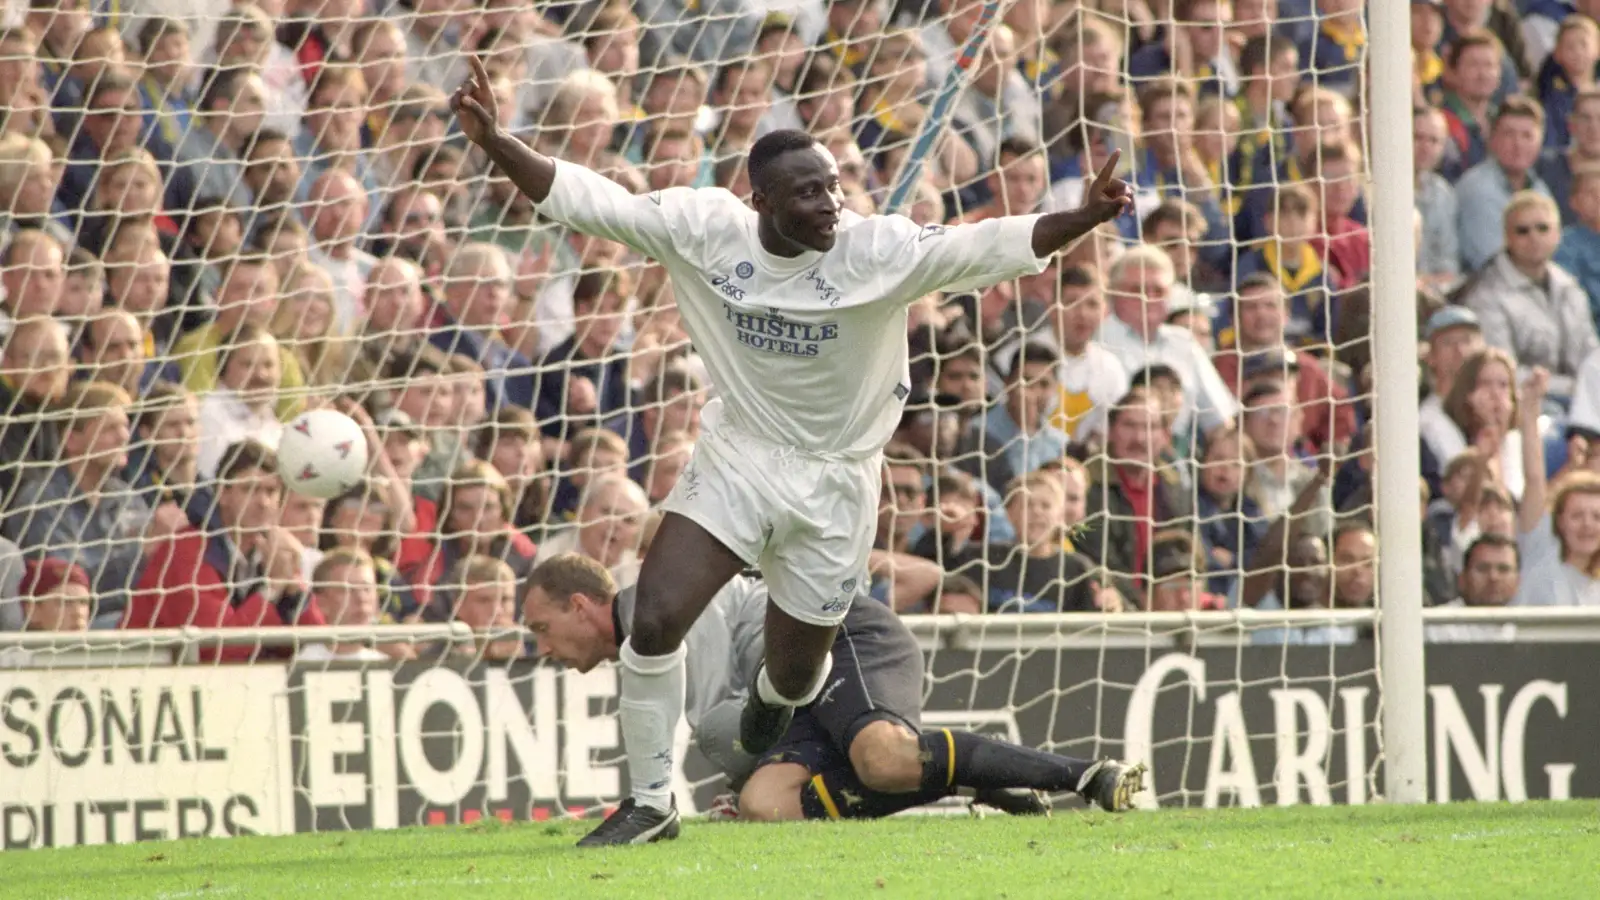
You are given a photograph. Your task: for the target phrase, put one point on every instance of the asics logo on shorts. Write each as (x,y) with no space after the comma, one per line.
(827,695)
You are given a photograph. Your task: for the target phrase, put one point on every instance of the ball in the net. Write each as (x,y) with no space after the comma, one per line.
(323,453)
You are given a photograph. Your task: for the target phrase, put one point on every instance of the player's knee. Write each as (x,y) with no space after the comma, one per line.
(773,794)
(658,622)
(884,756)
(791,677)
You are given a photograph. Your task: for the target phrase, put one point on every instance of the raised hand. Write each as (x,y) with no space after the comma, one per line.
(582,398)
(281,558)
(360,416)
(167,519)
(1108,196)
(1533,392)
(475,106)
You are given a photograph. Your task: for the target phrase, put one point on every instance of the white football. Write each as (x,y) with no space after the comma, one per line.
(322,453)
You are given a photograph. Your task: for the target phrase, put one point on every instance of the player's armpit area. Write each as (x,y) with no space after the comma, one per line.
(664,225)
(970,256)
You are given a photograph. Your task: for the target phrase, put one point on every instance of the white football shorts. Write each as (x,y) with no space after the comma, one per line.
(806,520)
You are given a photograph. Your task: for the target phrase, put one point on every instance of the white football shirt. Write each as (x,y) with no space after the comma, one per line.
(810,351)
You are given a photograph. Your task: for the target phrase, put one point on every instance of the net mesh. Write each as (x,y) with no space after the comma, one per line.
(220,215)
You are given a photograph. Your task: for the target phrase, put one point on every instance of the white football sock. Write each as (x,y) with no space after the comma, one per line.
(648,711)
(771,697)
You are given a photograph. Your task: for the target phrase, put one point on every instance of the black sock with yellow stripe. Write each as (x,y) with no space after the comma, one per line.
(952,759)
(839,794)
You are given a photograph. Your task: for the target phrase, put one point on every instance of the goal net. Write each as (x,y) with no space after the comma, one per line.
(1127,512)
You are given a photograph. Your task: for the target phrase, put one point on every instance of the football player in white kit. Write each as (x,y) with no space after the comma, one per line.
(798,309)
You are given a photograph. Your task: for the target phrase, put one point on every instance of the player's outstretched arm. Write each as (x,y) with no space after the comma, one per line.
(476,108)
(1107,197)
(581,199)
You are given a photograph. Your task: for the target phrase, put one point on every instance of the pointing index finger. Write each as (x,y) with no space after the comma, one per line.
(1107,171)
(479,73)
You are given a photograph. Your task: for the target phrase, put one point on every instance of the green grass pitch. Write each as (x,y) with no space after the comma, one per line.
(1536,850)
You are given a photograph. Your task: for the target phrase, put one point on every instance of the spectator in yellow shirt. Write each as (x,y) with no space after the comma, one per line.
(249,294)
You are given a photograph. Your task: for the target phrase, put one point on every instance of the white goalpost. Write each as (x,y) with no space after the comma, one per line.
(1394,336)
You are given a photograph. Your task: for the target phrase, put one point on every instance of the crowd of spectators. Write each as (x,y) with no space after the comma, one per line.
(218,214)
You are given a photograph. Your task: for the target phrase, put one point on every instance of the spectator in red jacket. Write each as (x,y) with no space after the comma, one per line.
(475,518)
(248,574)
(56,595)
(1330,417)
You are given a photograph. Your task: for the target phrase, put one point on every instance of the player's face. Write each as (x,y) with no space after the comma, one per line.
(803,198)
(571,636)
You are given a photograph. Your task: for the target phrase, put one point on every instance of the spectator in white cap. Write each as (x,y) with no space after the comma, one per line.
(1194,312)
(1453,334)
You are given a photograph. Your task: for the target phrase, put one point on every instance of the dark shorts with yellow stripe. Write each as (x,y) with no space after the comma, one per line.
(877,675)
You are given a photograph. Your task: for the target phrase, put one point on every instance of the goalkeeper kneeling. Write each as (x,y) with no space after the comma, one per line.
(858,751)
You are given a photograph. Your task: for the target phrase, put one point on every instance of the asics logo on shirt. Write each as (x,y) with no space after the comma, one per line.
(775,334)
(730,290)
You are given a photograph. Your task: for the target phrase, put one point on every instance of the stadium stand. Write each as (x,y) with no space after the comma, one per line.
(232,211)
